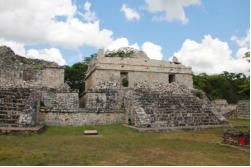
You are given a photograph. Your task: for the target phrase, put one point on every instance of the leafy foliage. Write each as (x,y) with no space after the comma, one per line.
(199,94)
(75,75)
(125,82)
(223,86)
(122,52)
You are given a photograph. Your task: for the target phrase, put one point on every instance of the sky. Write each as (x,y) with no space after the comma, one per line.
(210,36)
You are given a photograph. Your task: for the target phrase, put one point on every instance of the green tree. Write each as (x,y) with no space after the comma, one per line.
(75,74)
(222,86)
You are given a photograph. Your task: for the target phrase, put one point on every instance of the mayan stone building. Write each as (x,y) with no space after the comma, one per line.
(29,86)
(150,93)
(131,90)
(136,68)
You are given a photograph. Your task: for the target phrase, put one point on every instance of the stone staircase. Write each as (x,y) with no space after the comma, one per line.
(158,109)
(8,119)
(143,118)
(18,107)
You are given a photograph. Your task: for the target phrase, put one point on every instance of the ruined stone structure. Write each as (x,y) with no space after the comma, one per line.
(242,111)
(158,94)
(138,67)
(134,90)
(222,106)
(28,85)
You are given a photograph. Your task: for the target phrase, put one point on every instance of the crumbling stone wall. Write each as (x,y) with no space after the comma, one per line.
(81,118)
(242,111)
(19,107)
(138,67)
(59,100)
(222,106)
(152,105)
(19,70)
(170,105)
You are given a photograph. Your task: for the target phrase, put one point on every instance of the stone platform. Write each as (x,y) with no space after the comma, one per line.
(21,130)
(169,129)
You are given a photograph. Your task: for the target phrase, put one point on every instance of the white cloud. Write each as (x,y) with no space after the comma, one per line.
(119,43)
(211,56)
(18,48)
(35,21)
(173,9)
(130,14)
(52,54)
(152,50)
(88,15)
(244,41)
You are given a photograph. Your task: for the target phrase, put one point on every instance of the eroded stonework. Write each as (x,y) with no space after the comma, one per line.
(28,85)
(134,90)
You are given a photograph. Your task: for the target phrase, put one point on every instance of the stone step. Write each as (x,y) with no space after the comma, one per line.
(8,121)
(20,130)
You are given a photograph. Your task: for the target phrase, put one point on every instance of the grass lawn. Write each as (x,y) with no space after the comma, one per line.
(117,145)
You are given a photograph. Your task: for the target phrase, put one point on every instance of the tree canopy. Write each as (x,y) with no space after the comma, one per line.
(227,86)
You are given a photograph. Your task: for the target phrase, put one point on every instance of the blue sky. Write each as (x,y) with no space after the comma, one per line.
(209,35)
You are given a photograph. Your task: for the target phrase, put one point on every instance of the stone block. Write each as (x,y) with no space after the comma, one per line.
(90,132)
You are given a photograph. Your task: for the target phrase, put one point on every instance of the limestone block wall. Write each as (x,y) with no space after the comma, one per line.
(103,100)
(81,118)
(19,107)
(99,77)
(108,69)
(58,100)
(135,77)
(51,77)
(184,79)
(97,107)
(222,107)
(243,109)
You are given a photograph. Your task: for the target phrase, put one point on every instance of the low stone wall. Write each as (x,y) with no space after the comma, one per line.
(242,111)
(81,118)
(222,106)
(103,100)
(18,107)
(59,100)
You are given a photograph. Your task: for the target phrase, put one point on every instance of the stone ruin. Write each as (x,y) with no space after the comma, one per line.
(158,94)
(27,86)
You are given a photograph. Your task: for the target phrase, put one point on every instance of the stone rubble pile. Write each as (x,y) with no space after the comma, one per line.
(107,85)
(172,88)
(14,84)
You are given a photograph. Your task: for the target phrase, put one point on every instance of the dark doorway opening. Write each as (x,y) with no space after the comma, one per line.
(171,78)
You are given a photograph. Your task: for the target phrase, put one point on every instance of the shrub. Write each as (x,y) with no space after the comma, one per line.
(199,94)
(125,82)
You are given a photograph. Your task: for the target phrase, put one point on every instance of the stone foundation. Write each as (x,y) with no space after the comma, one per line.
(242,111)
(81,118)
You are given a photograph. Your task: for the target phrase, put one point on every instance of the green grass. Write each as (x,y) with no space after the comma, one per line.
(117,145)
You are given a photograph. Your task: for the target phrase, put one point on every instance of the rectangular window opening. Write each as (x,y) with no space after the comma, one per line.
(171,78)
(124,79)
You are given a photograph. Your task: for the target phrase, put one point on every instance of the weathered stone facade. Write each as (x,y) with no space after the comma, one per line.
(136,68)
(28,85)
(222,106)
(159,93)
(19,107)
(242,111)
